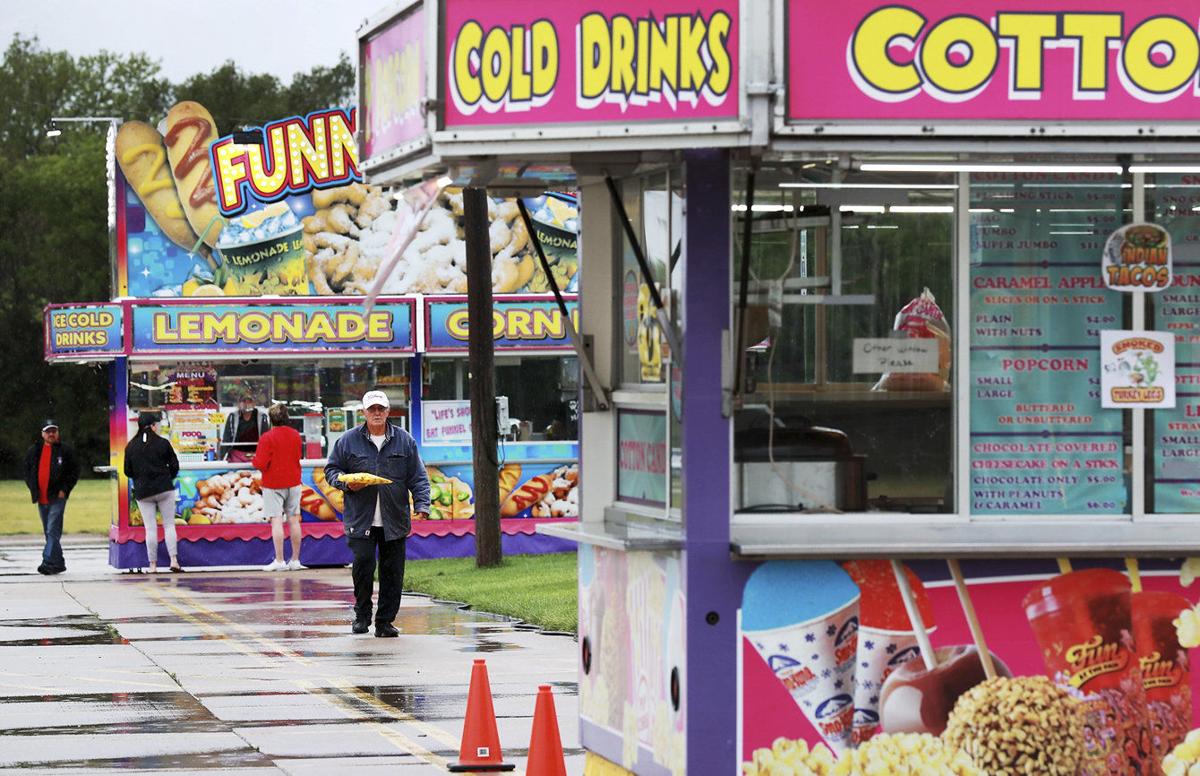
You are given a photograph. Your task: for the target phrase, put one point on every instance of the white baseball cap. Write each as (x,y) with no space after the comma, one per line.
(373,398)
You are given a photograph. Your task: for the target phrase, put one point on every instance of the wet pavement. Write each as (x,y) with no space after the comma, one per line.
(248,672)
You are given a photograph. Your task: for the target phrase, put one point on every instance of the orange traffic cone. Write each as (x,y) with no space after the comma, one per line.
(545,745)
(480,750)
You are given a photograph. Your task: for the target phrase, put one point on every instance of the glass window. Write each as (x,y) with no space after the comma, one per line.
(1040,442)
(1173,201)
(846,360)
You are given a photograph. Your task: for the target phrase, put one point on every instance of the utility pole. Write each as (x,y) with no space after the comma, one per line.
(480,364)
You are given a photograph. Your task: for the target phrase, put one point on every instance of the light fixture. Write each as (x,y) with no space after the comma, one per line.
(862,209)
(764,208)
(1182,169)
(1114,169)
(921,209)
(52,129)
(802,185)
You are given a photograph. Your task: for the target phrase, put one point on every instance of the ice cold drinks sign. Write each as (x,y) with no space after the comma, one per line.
(1022,60)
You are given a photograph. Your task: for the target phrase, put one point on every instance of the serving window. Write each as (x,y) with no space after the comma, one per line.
(920,338)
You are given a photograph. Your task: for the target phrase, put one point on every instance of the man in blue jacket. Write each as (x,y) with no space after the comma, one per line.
(376,516)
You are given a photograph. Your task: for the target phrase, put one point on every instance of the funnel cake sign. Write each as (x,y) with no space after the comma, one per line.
(1025,60)
(511,63)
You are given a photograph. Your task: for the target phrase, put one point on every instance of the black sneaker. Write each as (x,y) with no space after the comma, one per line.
(43,570)
(360,626)
(385,630)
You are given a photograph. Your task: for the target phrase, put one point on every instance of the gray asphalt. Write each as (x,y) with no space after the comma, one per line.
(248,672)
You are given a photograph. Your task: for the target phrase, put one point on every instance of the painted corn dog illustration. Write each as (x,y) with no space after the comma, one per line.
(190,131)
(142,155)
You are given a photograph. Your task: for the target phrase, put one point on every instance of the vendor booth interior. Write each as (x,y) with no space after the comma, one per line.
(886,429)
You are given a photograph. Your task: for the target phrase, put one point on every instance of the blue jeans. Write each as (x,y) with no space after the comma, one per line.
(52,525)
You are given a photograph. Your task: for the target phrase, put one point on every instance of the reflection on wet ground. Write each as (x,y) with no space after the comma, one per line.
(266,670)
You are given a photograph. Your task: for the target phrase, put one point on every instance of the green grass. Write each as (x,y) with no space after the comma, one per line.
(539,589)
(89,510)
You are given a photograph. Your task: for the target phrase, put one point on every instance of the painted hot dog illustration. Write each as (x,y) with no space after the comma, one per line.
(190,132)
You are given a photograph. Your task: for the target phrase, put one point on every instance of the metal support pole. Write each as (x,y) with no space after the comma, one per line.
(481,362)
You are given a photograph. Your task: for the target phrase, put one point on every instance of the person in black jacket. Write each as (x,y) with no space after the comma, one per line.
(51,472)
(151,466)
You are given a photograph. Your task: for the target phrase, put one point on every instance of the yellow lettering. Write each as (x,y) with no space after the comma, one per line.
(643,61)
(518,325)
(718,38)
(191,326)
(287,328)
(350,327)
(874,35)
(456,324)
(496,65)
(342,146)
(379,327)
(548,323)
(595,51)
(522,82)
(255,327)
(497,324)
(312,149)
(1164,34)
(163,333)
(543,58)
(321,328)
(1094,31)
(265,183)
(692,71)
(216,328)
(470,39)
(231,170)
(1029,33)
(664,55)
(967,36)
(621,77)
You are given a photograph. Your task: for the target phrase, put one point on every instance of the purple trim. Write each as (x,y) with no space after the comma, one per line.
(325,551)
(610,745)
(712,583)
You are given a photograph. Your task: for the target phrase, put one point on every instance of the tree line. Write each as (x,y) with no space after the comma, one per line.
(54,241)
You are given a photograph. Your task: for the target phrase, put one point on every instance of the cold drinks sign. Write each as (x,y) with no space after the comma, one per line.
(1025,60)
(510,62)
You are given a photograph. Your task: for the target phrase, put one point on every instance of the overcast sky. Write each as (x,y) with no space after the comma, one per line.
(280,37)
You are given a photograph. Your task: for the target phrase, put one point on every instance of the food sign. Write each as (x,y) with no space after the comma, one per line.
(523,324)
(1026,60)
(192,386)
(444,422)
(393,72)
(1137,369)
(512,62)
(1137,257)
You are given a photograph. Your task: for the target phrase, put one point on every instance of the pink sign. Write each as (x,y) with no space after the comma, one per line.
(393,62)
(512,62)
(1014,60)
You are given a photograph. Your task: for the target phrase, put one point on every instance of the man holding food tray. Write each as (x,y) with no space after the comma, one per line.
(377,465)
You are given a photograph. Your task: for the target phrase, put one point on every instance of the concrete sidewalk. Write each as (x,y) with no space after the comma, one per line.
(248,672)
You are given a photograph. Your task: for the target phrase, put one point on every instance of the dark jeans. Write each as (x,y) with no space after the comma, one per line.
(52,525)
(391,575)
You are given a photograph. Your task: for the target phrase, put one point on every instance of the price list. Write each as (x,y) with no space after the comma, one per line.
(1040,442)
(1176,455)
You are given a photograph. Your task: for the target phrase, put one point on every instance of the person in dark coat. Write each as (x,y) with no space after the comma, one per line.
(151,466)
(243,429)
(376,516)
(51,471)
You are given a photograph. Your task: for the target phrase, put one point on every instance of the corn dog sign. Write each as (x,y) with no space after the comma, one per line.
(512,63)
(517,324)
(1026,60)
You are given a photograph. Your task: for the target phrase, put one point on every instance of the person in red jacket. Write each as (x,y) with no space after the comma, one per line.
(278,458)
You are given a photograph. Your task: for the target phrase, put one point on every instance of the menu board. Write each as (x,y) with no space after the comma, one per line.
(1040,442)
(1176,459)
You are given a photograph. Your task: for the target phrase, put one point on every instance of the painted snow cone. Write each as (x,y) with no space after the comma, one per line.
(802,617)
(886,639)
